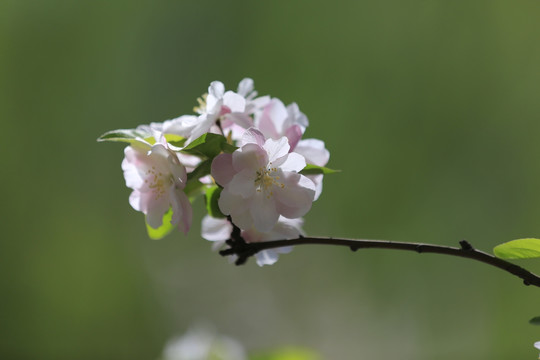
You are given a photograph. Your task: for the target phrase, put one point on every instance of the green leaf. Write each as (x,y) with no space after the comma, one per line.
(291,353)
(209,145)
(193,188)
(518,249)
(175,140)
(201,170)
(311,169)
(211,199)
(123,135)
(164,229)
(535,320)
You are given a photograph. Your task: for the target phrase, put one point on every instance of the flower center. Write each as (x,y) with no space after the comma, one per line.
(201,109)
(266,179)
(158,182)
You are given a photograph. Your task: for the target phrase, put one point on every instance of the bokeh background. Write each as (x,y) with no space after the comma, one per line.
(430,108)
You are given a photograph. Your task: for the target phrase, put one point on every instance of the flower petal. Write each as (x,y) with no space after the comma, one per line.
(264,213)
(182,212)
(243,183)
(245,87)
(253,136)
(235,102)
(293,162)
(276,148)
(250,156)
(314,151)
(222,169)
(214,229)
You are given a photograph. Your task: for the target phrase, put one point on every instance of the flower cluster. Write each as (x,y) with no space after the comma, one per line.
(245,153)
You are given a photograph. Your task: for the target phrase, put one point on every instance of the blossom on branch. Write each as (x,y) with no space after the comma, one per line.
(261,182)
(157,178)
(219,230)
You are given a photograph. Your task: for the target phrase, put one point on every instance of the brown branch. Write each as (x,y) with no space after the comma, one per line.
(245,250)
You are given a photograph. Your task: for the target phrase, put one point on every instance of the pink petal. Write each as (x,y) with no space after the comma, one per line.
(250,156)
(294,134)
(243,183)
(296,197)
(182,212)
(314,151)
(276,148)
(264,213)
(253,136)
(222,169)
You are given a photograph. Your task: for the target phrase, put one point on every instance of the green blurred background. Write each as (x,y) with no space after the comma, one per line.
(430,108)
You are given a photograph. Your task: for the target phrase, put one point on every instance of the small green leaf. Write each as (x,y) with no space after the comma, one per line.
(290,353)
(123,135)
(518,249)
(311,169)
(209,145)
(211,198)
(164,229)
(201,170)
(535,320)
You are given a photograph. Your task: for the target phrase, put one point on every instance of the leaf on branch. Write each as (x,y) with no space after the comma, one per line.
(209,145)
(518,249)
(311,169)
(211,199)
(164,229)
(123,135)
(201,170)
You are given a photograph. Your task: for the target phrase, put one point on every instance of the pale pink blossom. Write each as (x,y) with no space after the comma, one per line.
(276,121)
(157,178)
(261,182)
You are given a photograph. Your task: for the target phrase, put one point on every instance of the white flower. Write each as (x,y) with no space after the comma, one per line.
(261,182)
(157,178)
(219,230)
(227,107)
(202,343)
(254,104)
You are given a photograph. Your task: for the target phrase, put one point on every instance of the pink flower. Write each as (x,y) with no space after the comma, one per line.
(157,178)
(261,182)
(276,121)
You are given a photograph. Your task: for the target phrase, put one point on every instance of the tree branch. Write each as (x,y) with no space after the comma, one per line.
(245,250)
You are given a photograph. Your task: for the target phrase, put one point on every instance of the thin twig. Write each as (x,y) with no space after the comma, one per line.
(245,250)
